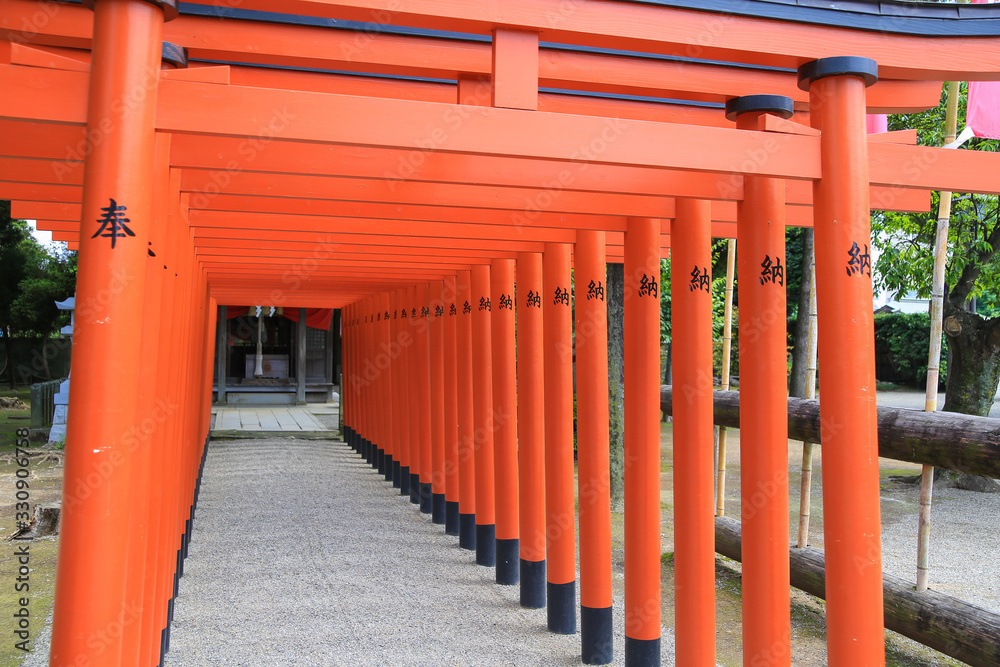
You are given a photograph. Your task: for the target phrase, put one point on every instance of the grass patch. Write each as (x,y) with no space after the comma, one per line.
(12,420)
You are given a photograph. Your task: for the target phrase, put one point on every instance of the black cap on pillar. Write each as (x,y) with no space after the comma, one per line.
(866,68)
(175,55)
(778,105)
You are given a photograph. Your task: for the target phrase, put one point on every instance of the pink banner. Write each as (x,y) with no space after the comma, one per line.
(877,122)
(983,112)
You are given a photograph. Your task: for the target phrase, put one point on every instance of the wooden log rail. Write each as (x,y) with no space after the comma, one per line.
(942,622)
(944,439)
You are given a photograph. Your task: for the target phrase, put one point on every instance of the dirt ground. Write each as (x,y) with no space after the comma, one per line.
(808,616)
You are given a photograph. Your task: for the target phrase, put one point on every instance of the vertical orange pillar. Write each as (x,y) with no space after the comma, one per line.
(436,339)
(592,448)
(350,389)
(642,442)
(694,512)
(760,233)
(466,413)
(851,521)
(451,479)
(368,404)
(505,421)
(482,395)
(116,213)
(531,428)
(560,496)
(396,362)
(424,398)
(166,456)
(401,378)
(384,367)
(413,400)
(140,587)
(378,436)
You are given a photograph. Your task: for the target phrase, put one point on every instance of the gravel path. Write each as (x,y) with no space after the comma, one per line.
(303,555)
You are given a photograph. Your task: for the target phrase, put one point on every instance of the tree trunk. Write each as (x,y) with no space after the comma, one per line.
(800,361)
(973,375)
(45,358)
(616,380)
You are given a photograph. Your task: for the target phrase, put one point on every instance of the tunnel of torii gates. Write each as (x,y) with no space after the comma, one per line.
(436,169)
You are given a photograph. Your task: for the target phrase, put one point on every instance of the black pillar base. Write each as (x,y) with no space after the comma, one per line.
(642,652)
(451,517)
(164,643)
(388,467)
(404,480)
(415,488)
(508,562)
(532,584)
(426,498)
(561,607)
(396,479)
(379,463)
(438,513)
(467,531)
(366,450)
(486,552)
(596,638)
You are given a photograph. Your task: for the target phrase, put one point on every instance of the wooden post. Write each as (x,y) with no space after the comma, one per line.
(531,427)
(466,414)
(596,634)
(435,332)
(451,477)
(760,230)
(805,488)
(642,442)
(482,376)
(560,497)
(727,348)
(934,353)
(106,366)
(694,550)
(852,529)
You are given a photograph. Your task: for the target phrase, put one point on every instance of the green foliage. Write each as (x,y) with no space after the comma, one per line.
(32,279)
(719,252)
(905,241)
(902,341)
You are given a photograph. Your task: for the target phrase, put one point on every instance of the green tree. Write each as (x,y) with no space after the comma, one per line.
(32,278)
(905,264)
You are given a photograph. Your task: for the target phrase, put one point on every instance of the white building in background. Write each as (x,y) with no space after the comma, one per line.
(909,303)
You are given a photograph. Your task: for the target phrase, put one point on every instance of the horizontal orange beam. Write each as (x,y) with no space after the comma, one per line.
(228,157)
(379,53)
(213,109)
(223,237)
(671,31)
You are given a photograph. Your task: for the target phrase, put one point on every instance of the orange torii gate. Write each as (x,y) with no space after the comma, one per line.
(326,158)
